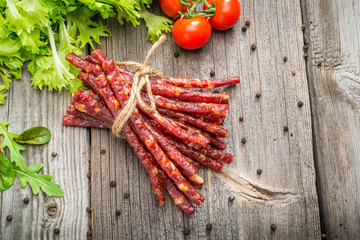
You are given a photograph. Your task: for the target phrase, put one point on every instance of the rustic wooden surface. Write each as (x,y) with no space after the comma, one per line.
(334,77)
(284,194)
(25,108)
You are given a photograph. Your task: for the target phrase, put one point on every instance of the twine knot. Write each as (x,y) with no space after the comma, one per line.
(141,79)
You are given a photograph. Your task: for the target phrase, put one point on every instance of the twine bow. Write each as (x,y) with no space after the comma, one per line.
(141,79)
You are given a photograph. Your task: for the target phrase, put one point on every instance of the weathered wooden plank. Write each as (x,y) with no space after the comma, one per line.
(283,194)
(27,108)
(333,34)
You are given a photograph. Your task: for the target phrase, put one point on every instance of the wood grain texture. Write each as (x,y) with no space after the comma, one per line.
(333,34)
(285,192)
(25,108)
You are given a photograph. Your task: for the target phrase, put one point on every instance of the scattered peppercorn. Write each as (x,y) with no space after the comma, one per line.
(56,231)
(89,234)
(259,171)
(303,27)
(285,58)
(291,134)
(209,226)
(244,28)
(258,95)
(273,226)
(253,47)
(231,198)
(102,151)
(112,184)
(88,209)
(176,54)
(9,218)
(26,200)
(305,56)
(88,175)
(293,73)
(247,23)
(54,154)
(89,159)
(323,236)
(243,140)
(241,118)
(212,73)
(286,128)
(300,104)
(117,212)
(186,231)
(319,64)
(126,195)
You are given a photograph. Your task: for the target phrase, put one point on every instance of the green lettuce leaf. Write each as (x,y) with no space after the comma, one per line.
(89,31)
(156,25)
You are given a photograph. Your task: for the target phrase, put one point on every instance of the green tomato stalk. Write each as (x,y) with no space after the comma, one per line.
(190,12)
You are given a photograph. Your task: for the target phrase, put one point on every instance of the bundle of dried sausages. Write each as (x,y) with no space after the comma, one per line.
(171,142)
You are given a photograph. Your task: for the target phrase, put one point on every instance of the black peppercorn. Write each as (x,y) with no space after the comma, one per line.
(285,58)
(212,73)
(26,200)
(209,226)
(253,47)
(259,171)
(117,212)
(112,184)
(176,54)
(243,140)
(56,231)
(286,128)
(273,227)
(126,195)
(244,28)
(9,218)
(247,23)
(186,231)
(300,104)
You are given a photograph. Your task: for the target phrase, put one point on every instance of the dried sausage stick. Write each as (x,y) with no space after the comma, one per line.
(193,107)
(206,126)
(199,83)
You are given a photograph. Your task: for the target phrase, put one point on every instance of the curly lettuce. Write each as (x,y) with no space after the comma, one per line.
(43,32)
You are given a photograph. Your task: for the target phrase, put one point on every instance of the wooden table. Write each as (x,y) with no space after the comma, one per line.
(309,183)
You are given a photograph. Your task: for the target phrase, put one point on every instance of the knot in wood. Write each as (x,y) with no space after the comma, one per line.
(52,209)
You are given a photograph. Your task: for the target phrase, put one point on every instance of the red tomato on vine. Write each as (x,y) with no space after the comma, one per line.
(226,15)
(192,33)
(172,7)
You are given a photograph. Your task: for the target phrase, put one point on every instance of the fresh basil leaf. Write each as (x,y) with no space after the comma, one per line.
(34,136)
(7,174)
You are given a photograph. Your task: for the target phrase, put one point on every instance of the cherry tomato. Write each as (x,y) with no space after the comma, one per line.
(226,15)
(192,33)
(172,7)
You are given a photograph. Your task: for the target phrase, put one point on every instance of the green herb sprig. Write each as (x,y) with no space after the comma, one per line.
(15,165)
